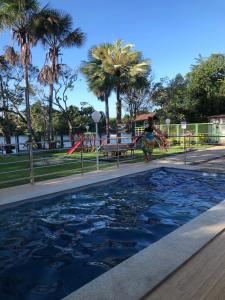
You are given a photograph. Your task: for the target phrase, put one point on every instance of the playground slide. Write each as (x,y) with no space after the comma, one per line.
(75,146)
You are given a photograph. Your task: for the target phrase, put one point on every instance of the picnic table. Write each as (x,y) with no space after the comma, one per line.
(115,150)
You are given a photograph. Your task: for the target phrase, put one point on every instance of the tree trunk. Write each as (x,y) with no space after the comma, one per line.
(5,130)
(50,127)
(7,134)
(71,133)
(61,141)
(107,118)
(17,144)
(8,146)
(118,112)
(27,101)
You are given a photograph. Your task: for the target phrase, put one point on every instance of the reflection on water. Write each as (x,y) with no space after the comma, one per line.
(50,248)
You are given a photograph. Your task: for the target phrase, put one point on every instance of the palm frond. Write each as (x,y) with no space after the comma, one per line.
(52,24)
(45,77)
(74,38)
(11,56)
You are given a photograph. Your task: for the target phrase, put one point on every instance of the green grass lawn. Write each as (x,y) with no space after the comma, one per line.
(17,170)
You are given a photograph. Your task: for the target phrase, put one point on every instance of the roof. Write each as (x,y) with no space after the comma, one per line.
(217,116)
(145,117)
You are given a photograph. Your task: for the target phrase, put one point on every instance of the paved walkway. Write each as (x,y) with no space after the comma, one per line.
(199,156)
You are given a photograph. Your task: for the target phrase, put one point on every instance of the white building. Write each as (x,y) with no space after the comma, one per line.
(218,122)
(220,119)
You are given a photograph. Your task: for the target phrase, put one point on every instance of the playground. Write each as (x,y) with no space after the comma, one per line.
(90,152)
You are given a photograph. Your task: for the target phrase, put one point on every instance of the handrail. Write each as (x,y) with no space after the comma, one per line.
(85,161)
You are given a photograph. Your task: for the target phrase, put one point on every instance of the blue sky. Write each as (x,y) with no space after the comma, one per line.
(171,33)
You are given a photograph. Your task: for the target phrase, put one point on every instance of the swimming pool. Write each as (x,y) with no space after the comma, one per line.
(52,247)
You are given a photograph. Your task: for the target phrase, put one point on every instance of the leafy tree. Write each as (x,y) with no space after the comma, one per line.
(172,100)
(113,124)
(65,85)
(100,83)
(77,119)
(123,65)
(137,99)
(39,119)
(206,85)
(5,118)
(11,99)
(56,33)
(21,17)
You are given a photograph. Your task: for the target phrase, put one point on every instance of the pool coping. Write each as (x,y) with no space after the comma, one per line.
(140,274)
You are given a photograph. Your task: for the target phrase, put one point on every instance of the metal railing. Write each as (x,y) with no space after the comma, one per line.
(48,160)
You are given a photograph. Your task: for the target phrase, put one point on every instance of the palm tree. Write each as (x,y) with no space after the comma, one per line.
(100,83)
(56,33)
(124,66)
(21,16)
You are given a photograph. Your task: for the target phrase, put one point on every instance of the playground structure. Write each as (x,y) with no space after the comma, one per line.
(87,142)
(116,146)
(113,146)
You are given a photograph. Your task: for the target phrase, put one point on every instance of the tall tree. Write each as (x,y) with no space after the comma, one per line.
(172,99)
(100,83)
(137,98)
(5,117)
(21,17)
(123,64)
(56,33)
(65,85)
(206,85)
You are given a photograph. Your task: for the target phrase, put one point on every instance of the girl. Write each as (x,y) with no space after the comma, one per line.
(150,137)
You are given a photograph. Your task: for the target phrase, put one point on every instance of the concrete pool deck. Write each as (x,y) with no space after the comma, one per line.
(149,269)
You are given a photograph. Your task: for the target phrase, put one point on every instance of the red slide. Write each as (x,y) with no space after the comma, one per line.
(75,146)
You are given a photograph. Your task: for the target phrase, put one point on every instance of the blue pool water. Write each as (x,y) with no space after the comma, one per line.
(52,247)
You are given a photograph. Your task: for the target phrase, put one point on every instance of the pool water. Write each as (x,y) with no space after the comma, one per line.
(52,247)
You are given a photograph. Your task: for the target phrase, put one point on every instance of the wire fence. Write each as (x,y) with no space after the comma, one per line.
(48,160)
(214,132)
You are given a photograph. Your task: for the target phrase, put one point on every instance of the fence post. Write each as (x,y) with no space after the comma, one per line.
(118,158)
(185,151)
(178,132)
(31,161)
(196,133)
(81,157)
(96,147)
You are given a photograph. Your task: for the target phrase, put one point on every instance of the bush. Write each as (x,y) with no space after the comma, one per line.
(203,138)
